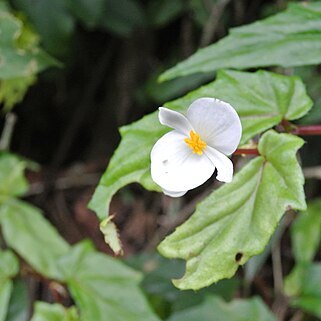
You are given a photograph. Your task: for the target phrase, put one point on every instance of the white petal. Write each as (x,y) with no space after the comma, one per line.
(217,123)
(223,164)
(174,194)
(174,120)
(175,168)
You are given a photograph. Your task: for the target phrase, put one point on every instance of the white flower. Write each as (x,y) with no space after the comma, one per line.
(187,156)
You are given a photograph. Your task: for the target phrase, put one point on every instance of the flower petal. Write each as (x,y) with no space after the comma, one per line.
(174,194)
(223,164)
(174,120)
(175,168)
(217,123)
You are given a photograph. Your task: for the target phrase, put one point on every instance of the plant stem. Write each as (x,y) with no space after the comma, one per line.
(7,131)
(246,151)
(307,130)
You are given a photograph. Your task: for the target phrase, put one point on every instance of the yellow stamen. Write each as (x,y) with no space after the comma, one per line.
(195,143)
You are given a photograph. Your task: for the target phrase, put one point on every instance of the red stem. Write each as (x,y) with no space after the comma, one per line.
(307,130)
(246,151)
(297,130)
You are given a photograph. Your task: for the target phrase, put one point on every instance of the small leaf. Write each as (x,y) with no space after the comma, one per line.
(109,229)
(54,312)
(238,310)
(290,38)
(262,100)
(306,233)
(19,59)
(236,221)
(102,286)
(9,267)
(12,179)
(304,285)
(31,235)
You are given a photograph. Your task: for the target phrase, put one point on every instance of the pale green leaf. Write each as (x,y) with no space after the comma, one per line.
(215,308)
(9,267)
(54,312)
(12,179)
(32,236)
(290,38)
(103,287)
(109,230)
(262,100)
(236,221)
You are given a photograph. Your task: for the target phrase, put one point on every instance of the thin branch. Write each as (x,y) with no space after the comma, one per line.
(312,172)
(213,22)
(7,132)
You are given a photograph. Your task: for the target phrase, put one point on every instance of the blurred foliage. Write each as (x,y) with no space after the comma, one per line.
(109,55)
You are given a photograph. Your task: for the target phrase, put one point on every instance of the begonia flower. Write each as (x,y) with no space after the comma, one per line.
(187,156)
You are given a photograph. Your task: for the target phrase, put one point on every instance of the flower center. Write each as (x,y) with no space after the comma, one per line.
(195,143)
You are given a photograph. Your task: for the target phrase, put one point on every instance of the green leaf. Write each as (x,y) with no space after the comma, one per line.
(52,21)
(238,310)
(19,304)
(89,12)
(122,16)
(20,54)
(288,39)
(104,287)
(262,100)
(54,312)
(236,221)
(304,285)
(157,273)
(32,237)
(12,179)
(9,267)
(163,12)
(306,233)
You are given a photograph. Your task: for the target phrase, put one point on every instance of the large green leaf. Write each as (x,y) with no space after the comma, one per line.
(215,308)
(262,100)
(31,235)
(306,233)
(288,39)
(54,312)
(9,267)
(104,287)
(236,221)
